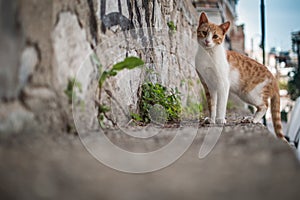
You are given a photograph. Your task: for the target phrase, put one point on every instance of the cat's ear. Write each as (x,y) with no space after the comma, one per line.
(203,18)
(225,26)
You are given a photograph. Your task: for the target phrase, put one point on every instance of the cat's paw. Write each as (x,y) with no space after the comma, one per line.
(247,119)
(208,120)
(257,121)
(220,121)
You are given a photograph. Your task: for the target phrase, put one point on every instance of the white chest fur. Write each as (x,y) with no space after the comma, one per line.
(212,65)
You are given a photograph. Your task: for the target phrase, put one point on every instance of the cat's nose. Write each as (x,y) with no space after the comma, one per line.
(206,41)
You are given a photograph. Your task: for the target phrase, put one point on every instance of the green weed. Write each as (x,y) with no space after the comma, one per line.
(128,63)
(155,96)
(172,26)
(69,91)
(192,110)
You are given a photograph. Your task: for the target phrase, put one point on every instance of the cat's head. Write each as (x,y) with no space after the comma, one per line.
(208,34)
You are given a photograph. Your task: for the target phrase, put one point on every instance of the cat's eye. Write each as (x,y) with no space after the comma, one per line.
(215,36)
(204,33)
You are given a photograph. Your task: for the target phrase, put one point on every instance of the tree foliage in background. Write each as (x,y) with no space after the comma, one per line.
(294,86)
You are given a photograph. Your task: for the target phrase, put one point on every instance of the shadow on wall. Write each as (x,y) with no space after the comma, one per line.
(11,42)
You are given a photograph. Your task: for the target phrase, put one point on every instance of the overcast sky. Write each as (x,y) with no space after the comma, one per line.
(282,17)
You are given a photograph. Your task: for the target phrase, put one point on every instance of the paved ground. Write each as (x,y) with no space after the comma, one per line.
(246,163)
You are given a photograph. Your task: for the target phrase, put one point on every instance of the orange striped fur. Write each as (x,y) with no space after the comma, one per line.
(251,74)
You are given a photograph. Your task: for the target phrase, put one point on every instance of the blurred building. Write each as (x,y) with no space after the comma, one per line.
(296,46)
(220,11)
(282,63)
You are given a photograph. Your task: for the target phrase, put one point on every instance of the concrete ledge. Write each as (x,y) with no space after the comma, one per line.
(247,163)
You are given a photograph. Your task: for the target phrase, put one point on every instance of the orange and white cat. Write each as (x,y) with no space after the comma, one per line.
(223,71)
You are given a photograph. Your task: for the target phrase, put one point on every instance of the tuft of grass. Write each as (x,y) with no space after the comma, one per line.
(193,110)
(156,96)
(230,105)
(69,91)
(172,26)
(136,117)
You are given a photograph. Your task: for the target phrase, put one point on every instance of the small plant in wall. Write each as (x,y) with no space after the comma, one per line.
(73,86)
(70,90)
(128,63)
(158,104)
(172,26)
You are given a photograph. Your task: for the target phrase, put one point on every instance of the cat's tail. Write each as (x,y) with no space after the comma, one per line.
(275,110)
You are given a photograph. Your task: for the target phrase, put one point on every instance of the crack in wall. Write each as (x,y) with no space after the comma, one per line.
(93,21)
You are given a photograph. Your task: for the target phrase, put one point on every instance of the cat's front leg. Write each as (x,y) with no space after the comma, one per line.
(222,98)
(213,106)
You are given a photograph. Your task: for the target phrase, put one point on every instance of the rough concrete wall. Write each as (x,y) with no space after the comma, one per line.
(44,43)
(168,55)
(15,69)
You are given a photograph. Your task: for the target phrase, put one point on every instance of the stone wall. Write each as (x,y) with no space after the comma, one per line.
(45,43)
